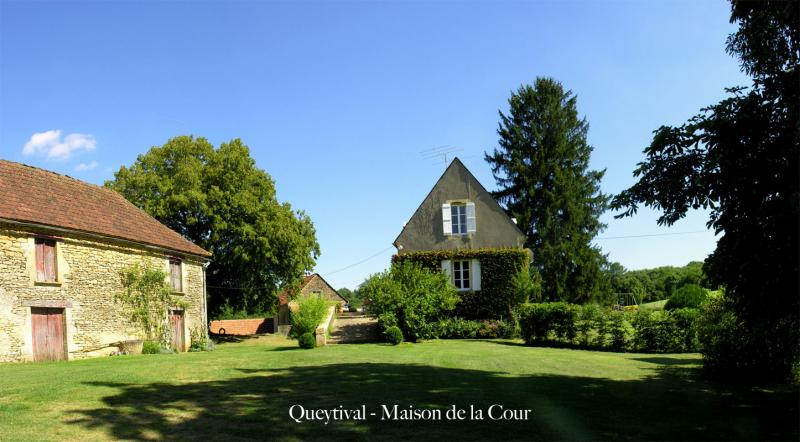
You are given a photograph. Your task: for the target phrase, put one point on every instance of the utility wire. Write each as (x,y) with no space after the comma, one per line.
(653,234)
(359,262)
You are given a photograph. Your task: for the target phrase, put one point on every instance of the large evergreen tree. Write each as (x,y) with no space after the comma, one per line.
(221,201)
(542,169)
(740,159)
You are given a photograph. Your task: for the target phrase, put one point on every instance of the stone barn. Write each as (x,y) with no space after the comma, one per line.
(63,243)
(312,284)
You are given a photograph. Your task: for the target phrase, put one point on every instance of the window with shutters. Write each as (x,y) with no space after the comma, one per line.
(46,263)
(458,218)
(461,271)
(175,274)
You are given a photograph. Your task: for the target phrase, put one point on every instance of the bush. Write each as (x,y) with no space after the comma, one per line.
(646,331)
(394,335)
(409,297)
(310,312)
(307,340)
(539,321)
(151,348)
(200,340)
(688,296)
(498,296)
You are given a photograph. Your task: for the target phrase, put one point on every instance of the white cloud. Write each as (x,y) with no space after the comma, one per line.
(51,144)
(84,166)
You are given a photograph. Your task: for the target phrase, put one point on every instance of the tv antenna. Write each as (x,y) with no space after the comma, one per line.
(442,153)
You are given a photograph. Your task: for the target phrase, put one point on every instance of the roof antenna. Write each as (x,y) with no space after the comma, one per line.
(442,152)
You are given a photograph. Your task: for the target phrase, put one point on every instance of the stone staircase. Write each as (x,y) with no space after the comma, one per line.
(351,328)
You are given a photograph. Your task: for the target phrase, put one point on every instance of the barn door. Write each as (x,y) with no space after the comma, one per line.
(176,321)
(49,343)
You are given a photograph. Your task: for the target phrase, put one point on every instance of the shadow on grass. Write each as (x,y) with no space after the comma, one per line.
(669,361)
(256,406)
(225,338)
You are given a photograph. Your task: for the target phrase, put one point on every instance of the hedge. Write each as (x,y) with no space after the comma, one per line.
(496,298)
(589,326)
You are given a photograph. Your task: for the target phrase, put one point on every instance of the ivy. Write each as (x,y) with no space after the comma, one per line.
(498,294)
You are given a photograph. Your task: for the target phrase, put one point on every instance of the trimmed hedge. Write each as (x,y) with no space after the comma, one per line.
(497,297)
(588,326)
(394,335)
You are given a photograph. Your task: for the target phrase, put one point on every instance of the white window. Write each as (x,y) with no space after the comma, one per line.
(461,271)
(465,273)
(458,218)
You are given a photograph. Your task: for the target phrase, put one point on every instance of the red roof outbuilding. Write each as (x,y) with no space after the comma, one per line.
(37,196)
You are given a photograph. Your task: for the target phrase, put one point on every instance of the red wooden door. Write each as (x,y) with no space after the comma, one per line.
(176,321)
(49,343)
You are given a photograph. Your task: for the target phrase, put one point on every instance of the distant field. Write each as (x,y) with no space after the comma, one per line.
(655,305)
(243,391)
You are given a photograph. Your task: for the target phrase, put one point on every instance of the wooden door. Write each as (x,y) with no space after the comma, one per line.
(176,321)
(49,343)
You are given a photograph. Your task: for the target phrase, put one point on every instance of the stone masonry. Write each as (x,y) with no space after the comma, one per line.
(88,277)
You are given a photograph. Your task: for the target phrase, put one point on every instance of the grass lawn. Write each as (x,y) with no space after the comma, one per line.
(244,391)
(655,305)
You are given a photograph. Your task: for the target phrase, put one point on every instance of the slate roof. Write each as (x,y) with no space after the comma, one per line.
(32,195)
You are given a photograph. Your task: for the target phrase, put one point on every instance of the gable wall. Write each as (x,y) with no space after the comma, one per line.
(89,271)
(317,284)
(424,230)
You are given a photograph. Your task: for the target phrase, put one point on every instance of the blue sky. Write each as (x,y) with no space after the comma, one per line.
(337,100)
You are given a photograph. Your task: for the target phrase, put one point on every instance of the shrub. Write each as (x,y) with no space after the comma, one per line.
(659,331)
(394,335)
(411,297)
(307,340)
(310,312)
(587,315)
(539,321)
(688,296)
(146,297)
(497,297)
(151,348)
(200,340)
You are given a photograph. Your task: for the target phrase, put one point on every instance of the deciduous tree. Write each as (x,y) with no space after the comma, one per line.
(740,158)
(220,200)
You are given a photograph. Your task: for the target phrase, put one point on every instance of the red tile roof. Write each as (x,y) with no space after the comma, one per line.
(34,195)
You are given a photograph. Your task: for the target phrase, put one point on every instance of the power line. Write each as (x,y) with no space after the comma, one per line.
(359,262)
(654,234)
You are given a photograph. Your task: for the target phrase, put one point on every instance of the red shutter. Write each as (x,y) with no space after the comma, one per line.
(49,252)
(175,274)
(40,272)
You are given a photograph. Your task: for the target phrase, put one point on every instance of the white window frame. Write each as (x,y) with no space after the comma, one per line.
(458,227)
(462,274)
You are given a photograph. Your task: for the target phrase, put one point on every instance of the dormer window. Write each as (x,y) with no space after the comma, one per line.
(458,218)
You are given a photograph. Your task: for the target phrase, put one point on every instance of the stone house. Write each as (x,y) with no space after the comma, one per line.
(311,284)
(63,243)
(458,216)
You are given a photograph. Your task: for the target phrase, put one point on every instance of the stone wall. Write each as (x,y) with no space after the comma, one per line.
(243,327)
(88,278)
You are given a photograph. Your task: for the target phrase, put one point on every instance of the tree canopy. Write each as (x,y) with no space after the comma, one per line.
(220,200)
(740,158)
(542,169)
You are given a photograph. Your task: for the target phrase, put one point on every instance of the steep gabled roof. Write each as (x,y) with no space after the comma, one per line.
(458,168)
(283,296)
(37,196)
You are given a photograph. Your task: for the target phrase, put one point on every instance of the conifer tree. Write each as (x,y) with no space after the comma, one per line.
(542,169)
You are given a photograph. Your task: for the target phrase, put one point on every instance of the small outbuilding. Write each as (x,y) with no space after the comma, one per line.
(312,284)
